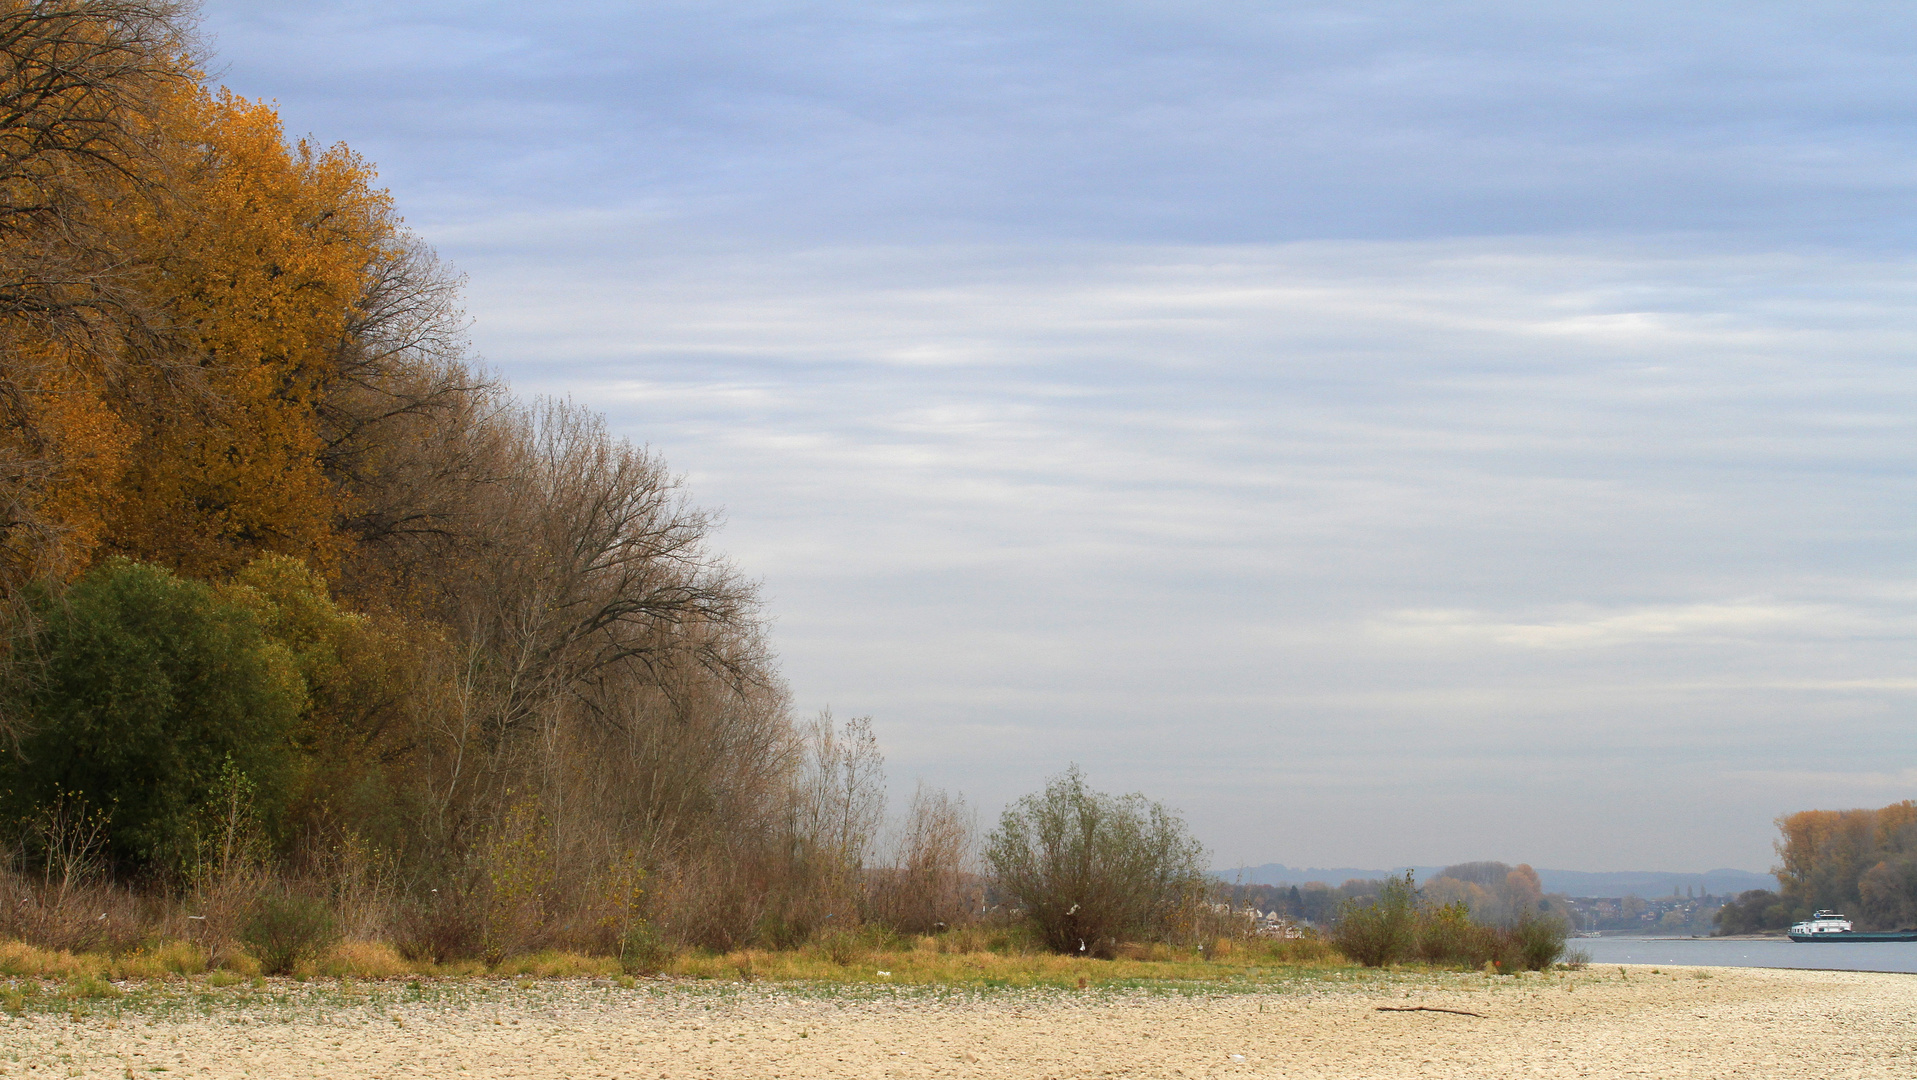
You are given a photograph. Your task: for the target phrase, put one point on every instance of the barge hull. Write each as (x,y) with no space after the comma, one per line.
(1856,937)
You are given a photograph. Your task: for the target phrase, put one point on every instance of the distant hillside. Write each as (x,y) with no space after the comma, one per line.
(1280,874)
(1570,882)
(1652,883)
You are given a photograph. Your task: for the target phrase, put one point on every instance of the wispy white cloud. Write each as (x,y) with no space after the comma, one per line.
(1863,785)
(1721,622)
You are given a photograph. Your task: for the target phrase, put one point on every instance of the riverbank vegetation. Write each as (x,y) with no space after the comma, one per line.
(320,649)
(1404,924)
(312,632)
(994,958)
(312,628)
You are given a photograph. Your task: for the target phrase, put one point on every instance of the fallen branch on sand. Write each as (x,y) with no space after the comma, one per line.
(1427,1008)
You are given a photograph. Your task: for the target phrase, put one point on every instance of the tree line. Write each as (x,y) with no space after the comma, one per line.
(1496,893)
(1859,862)
(290,581)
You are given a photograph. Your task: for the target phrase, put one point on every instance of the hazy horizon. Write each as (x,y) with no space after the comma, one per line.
(1383,432)
(1400,868)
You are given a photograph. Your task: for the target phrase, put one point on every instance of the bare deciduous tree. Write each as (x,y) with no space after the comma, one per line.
(600,658)
(925,889)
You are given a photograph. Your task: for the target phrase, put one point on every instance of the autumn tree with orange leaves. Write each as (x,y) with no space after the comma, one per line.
(83,87)
(253,267)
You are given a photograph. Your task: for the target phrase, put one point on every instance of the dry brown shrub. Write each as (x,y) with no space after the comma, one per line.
(92,917)
(998,936)
(931,885)
(442,926)
(717,900)
(214,914)
(1310,949)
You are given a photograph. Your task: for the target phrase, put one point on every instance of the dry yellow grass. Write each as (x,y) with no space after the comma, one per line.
(554,965)
(953,959)
(170,958)
(17,958)
(364,960)
(931,962)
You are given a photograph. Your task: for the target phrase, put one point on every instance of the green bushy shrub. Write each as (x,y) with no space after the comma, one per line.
(1381,930)
(642,951)
(1448,938)
(1398,926)
(148,685)
(1091,870)
(285,930)
(846,948)
(1539,941)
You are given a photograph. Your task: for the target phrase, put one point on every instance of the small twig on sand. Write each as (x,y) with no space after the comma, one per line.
(1427,1008)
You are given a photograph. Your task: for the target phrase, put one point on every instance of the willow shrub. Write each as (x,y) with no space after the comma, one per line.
(285,930)
(1091,870)
(1539,940)
(1383,929)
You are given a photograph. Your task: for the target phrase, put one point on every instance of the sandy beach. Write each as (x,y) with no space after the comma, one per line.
(1608,1022)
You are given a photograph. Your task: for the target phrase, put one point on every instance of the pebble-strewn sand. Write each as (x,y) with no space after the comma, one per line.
(1735,1023)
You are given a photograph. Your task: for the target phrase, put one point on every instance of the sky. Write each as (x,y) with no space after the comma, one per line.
(1388,432)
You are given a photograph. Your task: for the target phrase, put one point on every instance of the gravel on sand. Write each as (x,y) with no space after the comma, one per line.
(1601,1022)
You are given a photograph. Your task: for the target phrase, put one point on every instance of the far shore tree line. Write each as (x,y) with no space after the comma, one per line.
(1862,863)
(1487,915)
(1495,892)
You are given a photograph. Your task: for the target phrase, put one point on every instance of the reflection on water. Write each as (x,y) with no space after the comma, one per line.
(1708,952)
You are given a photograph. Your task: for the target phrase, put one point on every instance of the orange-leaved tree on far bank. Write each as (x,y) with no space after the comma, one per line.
(1861,862)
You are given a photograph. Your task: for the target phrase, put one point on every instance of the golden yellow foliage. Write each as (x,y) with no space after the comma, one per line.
(80,90)
(254,264)
(194,442)
(64,454)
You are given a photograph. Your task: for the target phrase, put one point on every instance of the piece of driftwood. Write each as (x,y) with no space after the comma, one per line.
(1427,1008)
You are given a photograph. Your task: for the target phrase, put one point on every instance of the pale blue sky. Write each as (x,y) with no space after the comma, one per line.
(1391,432)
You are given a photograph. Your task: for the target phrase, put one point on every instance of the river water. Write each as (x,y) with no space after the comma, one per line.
(1735,952)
